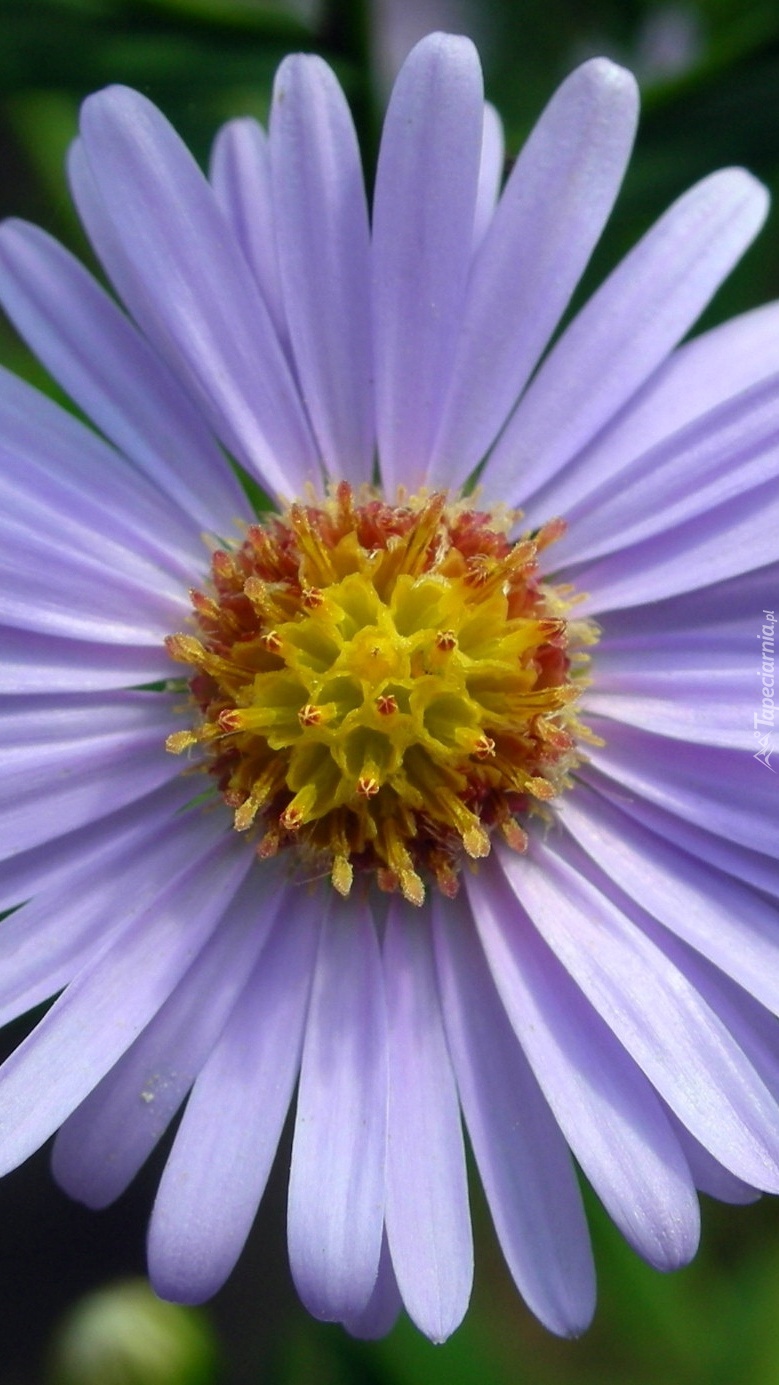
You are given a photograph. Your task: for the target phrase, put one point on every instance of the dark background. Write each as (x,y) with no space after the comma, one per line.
(710,79)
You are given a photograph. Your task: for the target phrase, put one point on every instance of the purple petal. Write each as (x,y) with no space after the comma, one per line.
(523,1160)
(336,1187)
(490,172)
(51,865)
(55,467)
(663,1022)
(687,780)
(750,866)
(627,328)
(54,519)
(428,1219)
(323,241)
(730,924)
(44,944)
(240,176)
(732,538)
(605,1107)
(729,450)
(164,241)
(108,368)
(709,1175)
(88,1029)
(423,221)
(71,760)
(709,614)
(102,1145)
(225,1146)
(754,1029)
(34,663)
(384,1304)
(698,377)
(711,706)
(65,591)
(551,214)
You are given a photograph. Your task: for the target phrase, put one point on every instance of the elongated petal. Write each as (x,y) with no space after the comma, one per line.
(731,449)
(321,217)
(75,527)
(164,241)
(710,616)
(65,591)
(45,943)
(225,1145)
(523,1161)
(384,1304)
(66,1056)
(241,179)
(428,1219)
(677,1040)
(102,1145)
(627,329)
(423,216)
(604,1105)
(35,663)
(551,214)
(336,1187)
(70,761)
(732,538)
(698,377)
(53,864)
(753,867)
(108,368)
(710,706)
(731,925)
(687,780)
(52,458)
(709,1175)
(490,172)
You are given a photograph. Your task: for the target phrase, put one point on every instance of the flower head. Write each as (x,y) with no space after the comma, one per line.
(465,817)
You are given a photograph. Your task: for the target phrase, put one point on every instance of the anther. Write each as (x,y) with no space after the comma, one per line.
(225,569)
(386,704)
(185,649)
(269,844)
(446,640)
(245,815)
(476,842)
(539,788)
(513,835)
(180,740)
(412,888)
(342,875)
(205,606)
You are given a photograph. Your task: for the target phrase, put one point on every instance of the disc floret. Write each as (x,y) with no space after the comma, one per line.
(383,687)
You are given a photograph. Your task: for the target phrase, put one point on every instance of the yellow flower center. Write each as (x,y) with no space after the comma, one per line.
(384,686)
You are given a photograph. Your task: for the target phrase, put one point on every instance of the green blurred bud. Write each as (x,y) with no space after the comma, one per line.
(125,1335)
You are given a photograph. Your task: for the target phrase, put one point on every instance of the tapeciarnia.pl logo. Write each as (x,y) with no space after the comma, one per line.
(765,720)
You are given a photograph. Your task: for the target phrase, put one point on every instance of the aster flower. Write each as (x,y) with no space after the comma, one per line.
(463,815)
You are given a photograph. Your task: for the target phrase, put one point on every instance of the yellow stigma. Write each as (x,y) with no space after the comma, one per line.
(381,687)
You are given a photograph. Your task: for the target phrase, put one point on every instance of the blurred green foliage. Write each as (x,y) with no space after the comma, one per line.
(714,102)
